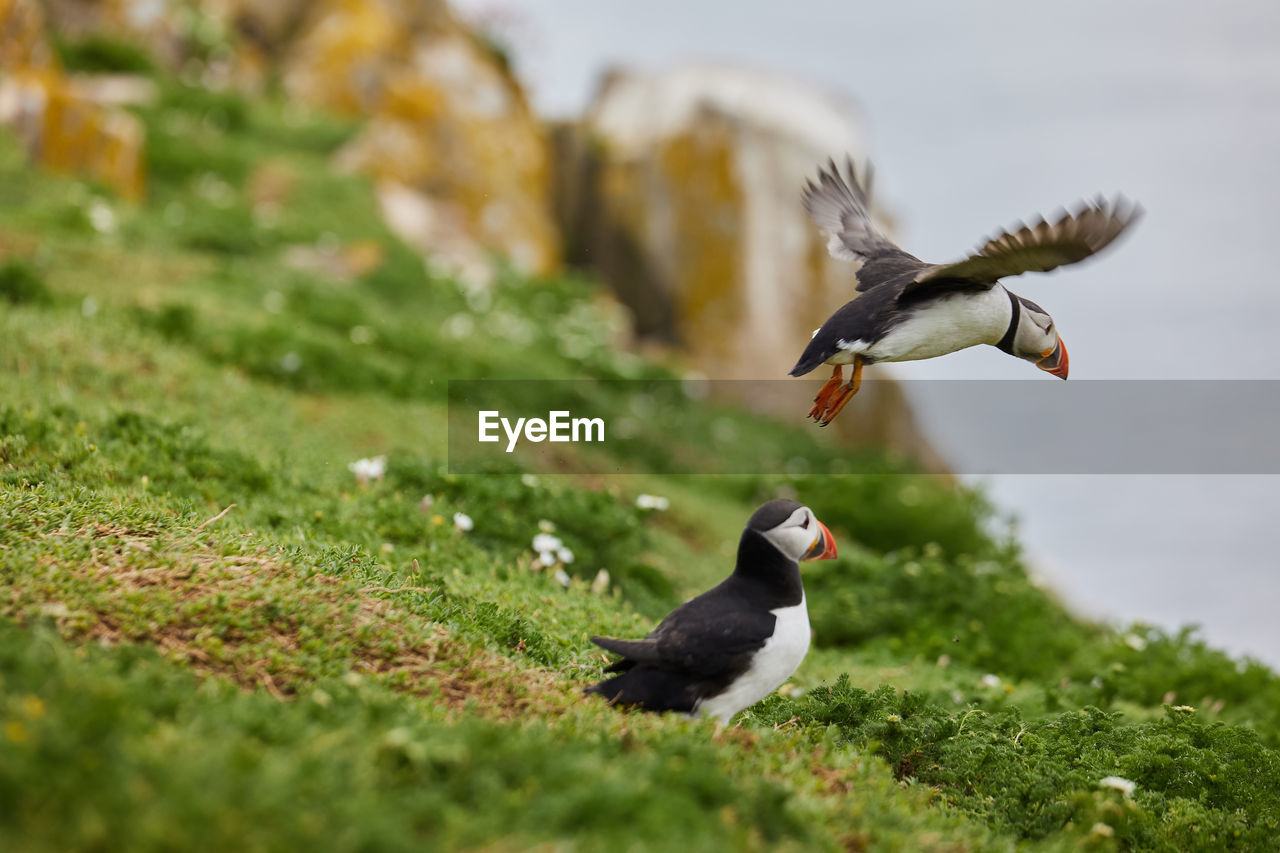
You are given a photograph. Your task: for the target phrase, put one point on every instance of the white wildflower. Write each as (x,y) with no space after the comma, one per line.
(368,469)
(547,559)
(529,480)
(1102,830)
(1135,642)
(656,502)
(562,577)
(1184,709)
(459,326)
(601,582)
(427,502)
(463,522)
(1118,783)
(102,217)
(214,189)
(545,542)
(291,362)
(547,526)
(89,306)
(564,554)
(990,680)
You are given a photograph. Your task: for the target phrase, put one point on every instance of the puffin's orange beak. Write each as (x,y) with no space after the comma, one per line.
(1056,361)
(824,547)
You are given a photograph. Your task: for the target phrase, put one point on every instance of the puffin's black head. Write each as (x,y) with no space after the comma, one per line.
(1036,340)
(792,529)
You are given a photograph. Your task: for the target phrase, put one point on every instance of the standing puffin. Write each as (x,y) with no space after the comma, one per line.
(735,644)
(910,309)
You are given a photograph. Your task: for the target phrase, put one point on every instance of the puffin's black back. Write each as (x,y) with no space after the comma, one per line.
(884,302)
(707,642)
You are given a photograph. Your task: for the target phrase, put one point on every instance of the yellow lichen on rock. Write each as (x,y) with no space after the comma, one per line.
(345,55)
(707,223)
(23,45)
(461,162)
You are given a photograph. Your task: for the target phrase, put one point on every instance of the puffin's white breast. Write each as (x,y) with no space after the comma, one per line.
(773,664)
(946,325)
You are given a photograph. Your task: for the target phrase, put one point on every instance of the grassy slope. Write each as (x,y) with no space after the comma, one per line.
(370,677)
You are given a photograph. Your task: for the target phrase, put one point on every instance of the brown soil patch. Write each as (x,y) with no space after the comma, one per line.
(256,620)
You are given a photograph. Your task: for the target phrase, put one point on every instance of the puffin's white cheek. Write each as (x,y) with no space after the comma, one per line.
(793,541)
(798,542)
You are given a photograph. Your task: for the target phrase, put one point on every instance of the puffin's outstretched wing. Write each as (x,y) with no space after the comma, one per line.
(1040,246)
(840,207)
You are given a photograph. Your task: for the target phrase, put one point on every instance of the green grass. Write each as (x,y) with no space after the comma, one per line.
(336,664)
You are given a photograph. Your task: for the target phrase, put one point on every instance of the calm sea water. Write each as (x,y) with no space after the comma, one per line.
(983,113)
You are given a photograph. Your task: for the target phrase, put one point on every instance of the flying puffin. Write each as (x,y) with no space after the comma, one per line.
(735,644)
(909,309)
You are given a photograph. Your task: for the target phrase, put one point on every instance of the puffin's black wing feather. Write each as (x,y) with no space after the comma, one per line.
(840,206)
(706,637)
(699,649)
(634,651)
(714,634)
(1040,246)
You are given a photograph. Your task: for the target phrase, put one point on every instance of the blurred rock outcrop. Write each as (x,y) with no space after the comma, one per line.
(62,124)
(462,164)
(682,190)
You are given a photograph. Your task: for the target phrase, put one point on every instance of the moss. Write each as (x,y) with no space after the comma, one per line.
(101,53)
(1194,785)
(20,284)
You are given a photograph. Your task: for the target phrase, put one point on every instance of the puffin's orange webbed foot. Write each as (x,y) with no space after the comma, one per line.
(831,408)
(822,401)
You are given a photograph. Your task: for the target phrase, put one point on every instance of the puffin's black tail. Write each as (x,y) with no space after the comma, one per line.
(651,689)
(814,354)
(642,678)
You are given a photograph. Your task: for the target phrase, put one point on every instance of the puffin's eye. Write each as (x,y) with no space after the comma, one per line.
(805,524)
